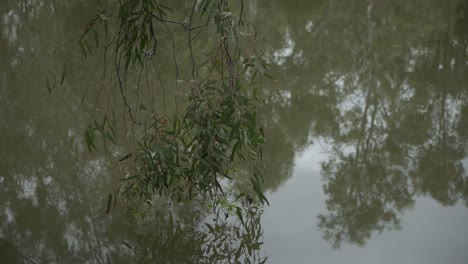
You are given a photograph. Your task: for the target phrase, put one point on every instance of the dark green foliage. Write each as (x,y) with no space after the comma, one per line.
(190,151)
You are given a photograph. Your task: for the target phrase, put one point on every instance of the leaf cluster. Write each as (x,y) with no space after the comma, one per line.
(192,151)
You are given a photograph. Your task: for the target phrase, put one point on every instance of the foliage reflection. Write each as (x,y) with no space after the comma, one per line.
(389,90)
(384,82)
(54,193)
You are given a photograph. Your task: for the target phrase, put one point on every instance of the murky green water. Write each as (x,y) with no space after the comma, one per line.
(367,127)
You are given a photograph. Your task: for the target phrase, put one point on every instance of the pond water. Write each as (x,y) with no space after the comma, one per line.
(367,128)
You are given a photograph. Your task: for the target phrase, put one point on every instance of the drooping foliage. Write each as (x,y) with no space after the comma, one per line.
(212,128)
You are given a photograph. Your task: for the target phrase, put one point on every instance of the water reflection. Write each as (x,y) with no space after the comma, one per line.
(385,86)
(388,94)
(178,237)
(54,193)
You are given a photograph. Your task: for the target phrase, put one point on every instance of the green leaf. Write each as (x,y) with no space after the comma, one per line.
(109,203)
(50,85)
(210,227)
(256,246)
(235,149)
(89,139)
(126,157)
(63,75)
(239,214)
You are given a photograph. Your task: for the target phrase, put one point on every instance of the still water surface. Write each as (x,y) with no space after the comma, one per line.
(367,127)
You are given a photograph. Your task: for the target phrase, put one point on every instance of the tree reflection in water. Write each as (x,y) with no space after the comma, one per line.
(385,82)
(389,93)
